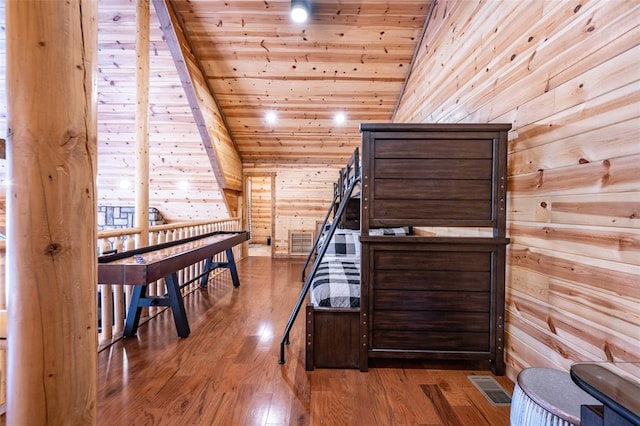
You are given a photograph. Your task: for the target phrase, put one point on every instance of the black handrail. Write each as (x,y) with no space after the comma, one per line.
(315,243)
(314,269)
(339,188)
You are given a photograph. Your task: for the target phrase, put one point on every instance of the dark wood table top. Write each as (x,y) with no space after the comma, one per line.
(148,264)
(616,385)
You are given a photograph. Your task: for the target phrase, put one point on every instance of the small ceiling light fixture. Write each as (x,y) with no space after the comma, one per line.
(339,118)
(300,10)
(271,117)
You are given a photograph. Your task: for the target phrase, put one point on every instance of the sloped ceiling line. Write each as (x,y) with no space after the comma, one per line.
(228,180)
(168,29)
(180,23)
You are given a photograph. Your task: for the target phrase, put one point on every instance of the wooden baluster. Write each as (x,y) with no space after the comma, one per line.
(155,288)
(160,285)
(189,270)
(154,238)
(180,236)
(119,312)
(104,314)
(198,267)
(130,245)
(199,231)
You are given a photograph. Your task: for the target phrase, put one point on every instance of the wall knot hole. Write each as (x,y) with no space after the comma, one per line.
(52,249)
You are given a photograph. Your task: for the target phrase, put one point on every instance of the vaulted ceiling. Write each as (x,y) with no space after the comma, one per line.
(243,58)
(351,57)
(218,67)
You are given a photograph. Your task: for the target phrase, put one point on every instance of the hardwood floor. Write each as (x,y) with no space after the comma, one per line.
(227,373)
(259,250)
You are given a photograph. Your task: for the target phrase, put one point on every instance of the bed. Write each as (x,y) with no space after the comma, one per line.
(439,296)
(419,296)
(333,313)
(339,244)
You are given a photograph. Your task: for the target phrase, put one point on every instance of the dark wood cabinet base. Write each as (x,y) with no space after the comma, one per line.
(332,337)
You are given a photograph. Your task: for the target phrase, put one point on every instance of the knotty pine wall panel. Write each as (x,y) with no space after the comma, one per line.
(227,155)
(302,197)
(182,183)
(567,76)
(261,201)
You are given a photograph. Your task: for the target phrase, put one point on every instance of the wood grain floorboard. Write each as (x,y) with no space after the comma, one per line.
(443,408)
(227,373)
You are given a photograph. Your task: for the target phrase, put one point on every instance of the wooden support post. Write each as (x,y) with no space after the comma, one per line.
(142,122)
(51,246)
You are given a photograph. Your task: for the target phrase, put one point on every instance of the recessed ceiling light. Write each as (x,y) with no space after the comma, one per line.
(300,10)
(183,184)
(124,184)
(271,117)
(339,118)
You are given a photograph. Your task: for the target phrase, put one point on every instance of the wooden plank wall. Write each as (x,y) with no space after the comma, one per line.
(260,208)
(302,196)
(567,76)
(182,183)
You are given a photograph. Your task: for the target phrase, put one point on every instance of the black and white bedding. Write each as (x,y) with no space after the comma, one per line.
(344,243)
(402,230)
(336,284)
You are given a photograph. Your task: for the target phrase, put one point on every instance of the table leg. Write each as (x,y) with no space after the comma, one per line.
(133,315)
(231,264)
(177,305)
(207,267)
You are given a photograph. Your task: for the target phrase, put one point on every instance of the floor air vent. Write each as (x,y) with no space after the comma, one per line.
(491,389)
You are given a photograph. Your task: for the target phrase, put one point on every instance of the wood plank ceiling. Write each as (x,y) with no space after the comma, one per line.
(350,57)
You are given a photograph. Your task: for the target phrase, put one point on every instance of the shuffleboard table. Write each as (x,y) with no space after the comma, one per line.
(142,266)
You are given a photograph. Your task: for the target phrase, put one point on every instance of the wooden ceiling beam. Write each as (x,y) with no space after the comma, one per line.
(212,126)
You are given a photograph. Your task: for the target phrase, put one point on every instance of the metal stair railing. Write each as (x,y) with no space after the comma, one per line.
(314,248)
(296,309)
(347,173)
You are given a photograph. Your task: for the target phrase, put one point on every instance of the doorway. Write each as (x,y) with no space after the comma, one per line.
(260,193)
